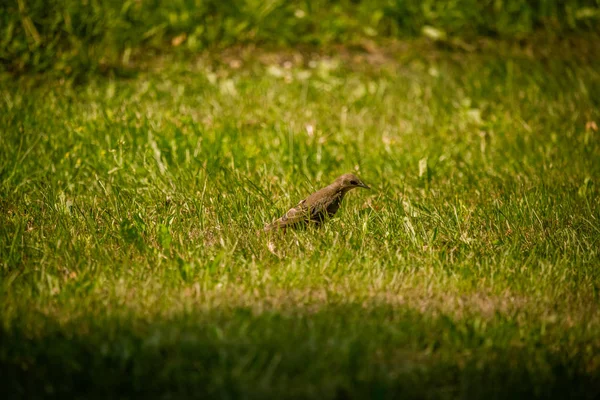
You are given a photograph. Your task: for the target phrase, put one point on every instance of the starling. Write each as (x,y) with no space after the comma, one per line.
(318,206)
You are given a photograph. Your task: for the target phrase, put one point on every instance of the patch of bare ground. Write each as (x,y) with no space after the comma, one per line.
(383,53)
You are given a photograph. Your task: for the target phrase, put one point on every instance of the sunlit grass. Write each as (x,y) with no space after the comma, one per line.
(130,259)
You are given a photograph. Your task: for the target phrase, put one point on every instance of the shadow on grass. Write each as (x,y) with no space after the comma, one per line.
(343,351)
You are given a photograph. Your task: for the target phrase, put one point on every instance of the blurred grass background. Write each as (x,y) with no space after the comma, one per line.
(78,37)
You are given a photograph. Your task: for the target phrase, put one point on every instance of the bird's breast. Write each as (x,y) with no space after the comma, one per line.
(335,205)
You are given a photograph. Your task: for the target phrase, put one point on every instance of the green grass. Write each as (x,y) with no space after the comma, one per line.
(74,38)
(130,263)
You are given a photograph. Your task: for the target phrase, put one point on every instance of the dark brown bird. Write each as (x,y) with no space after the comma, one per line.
(320,205)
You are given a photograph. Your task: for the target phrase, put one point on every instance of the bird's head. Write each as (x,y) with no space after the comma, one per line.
(350,181)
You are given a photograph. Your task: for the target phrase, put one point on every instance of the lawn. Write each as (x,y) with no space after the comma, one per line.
(130,262)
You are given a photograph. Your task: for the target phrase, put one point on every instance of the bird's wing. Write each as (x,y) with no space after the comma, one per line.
(299,213)
(302,212)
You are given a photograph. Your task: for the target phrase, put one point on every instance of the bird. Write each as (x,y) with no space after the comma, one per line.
(319,206)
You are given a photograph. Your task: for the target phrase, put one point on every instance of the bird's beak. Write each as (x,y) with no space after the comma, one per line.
(362,185)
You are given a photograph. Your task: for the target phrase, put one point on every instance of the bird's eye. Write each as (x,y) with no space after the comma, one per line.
(353,183)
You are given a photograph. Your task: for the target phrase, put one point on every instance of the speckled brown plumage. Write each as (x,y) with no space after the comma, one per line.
(318,206)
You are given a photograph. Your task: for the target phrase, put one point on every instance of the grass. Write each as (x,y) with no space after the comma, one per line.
(74,39)
(130,263)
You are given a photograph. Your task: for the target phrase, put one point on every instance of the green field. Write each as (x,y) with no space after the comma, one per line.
(129,205)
